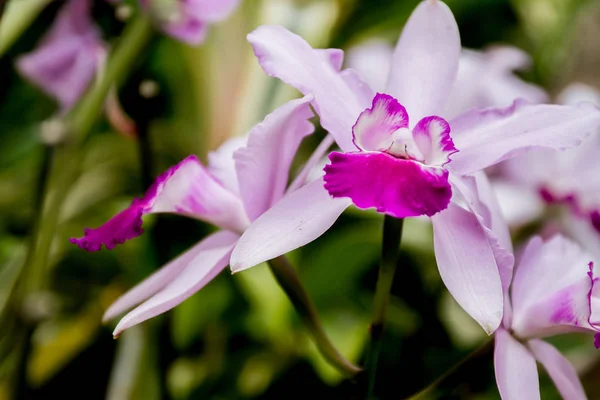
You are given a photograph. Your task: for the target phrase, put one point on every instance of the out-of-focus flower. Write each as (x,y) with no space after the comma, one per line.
(188,20)
(473,261)
(568,177)
(68,57)
(244,178)
(554,291)
(485,78)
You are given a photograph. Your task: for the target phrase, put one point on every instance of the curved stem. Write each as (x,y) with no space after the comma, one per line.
(482,351)
(392,234)
(288,280)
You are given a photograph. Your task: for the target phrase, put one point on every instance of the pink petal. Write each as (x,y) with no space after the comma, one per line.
(475,191)
(516,370)
(67,58)
(288,57)
(486,137)
(550,290)
(359,86)
(187,28)
(264,164)
(467,265)
(486,79)
(425,60)
(400,188)
(372,60)
(559,368)
(221,164)
(167,274)
(299,218)
(187,189)
(334,56)
(210,10)
(198,272)
(376,125)
(432,136)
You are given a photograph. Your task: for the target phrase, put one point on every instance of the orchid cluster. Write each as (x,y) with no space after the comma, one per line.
(426,130)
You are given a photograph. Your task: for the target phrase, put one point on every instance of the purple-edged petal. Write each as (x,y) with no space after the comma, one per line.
(516,370)
(467,265)
(400,188)
(486,137)
(559,368)
(67,58)
(167,274)
(550,289)
(425,61)
(197,272)
(263,165)
(376,125)
(186,189)
(288,57)
(432,136)
(299,218)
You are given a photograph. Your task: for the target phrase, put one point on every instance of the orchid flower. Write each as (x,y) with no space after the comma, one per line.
(554,291)
(244,178)
(555,178)
(485,78)
(189,20)
(402,158)
(68,57)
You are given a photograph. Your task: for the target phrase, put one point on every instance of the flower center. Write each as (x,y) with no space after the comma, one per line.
(401,144)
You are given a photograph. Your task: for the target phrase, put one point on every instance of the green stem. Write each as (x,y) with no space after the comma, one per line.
(57,178)
(289,281)
(392,234)
(448,376)
(18,16)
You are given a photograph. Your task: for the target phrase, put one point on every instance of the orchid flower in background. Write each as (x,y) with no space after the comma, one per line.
(485,78)
(244,178)
(68,57)
(188,20)
(554,291)
(568,178)
(401,157)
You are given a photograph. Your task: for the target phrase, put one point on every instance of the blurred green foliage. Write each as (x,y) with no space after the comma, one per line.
(239,337)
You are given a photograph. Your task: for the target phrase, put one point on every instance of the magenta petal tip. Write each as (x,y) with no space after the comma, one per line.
(122,227)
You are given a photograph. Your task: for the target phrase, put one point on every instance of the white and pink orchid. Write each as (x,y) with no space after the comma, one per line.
(68,57)
(568,178)
(402,157)
(554,291)
(244,178)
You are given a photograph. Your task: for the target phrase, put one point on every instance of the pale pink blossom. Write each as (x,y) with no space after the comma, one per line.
(566,178)
(554,291)
(68,57)
(244,178)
